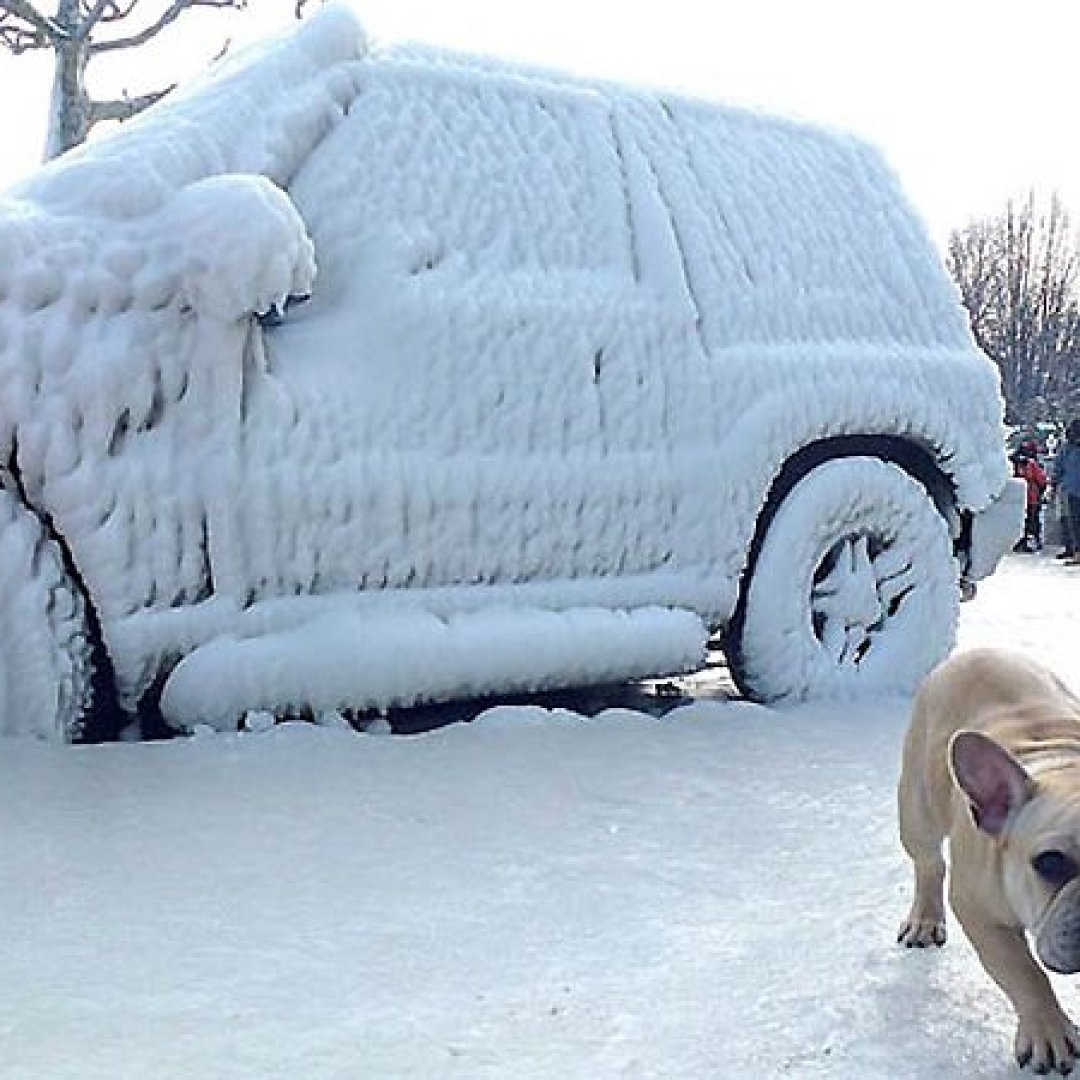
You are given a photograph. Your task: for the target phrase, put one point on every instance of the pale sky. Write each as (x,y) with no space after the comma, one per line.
(971,102)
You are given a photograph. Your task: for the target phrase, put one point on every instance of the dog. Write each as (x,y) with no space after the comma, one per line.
(991,762)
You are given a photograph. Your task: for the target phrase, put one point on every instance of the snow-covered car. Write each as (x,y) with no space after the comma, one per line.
(587,375)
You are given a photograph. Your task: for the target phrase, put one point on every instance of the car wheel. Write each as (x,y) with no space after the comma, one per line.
(45,653)
(854,588)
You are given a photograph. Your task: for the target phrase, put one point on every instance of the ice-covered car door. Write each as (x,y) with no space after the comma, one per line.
(470,395)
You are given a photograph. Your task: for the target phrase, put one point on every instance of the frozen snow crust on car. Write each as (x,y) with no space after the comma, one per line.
(129,271)
(371,662)
(561,339)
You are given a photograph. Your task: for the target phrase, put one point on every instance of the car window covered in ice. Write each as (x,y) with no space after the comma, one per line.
(472,177)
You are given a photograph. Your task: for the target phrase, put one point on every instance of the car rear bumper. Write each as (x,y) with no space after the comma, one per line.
(995,530)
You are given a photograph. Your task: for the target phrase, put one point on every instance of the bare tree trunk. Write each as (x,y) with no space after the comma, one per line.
(79,31)
(69,104)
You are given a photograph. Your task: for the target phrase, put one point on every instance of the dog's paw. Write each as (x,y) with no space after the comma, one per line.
(1048,1042)
(919,933)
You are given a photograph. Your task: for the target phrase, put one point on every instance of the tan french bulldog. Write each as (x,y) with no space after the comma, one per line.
(992,762)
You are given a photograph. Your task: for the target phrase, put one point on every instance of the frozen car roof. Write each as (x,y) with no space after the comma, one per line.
(789,230)
(782,230)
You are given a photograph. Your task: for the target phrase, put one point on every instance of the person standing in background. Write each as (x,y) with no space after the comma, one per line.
(1026,466)
(1065,480)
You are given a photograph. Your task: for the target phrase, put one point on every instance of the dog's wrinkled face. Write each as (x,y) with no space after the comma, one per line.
(1057,939)
(1042,871)
(1035,817)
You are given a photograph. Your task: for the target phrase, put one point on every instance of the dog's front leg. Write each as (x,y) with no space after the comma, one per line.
(1045,1037)
(922,837)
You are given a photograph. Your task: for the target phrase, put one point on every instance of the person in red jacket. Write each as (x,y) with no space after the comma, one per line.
(1026,466)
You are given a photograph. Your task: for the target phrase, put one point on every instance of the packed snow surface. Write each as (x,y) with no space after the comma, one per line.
(533,895)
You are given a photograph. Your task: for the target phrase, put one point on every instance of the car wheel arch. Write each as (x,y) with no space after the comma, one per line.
(914,458)
(105,718)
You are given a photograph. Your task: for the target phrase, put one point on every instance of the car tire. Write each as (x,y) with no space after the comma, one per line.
(854,589)
(46,670)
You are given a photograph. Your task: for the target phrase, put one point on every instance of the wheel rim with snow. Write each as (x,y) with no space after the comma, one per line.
(854,589)
(45,654)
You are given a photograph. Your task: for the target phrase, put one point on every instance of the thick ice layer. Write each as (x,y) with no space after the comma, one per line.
(562,340)
(129,274)
(44,654)
(347,660)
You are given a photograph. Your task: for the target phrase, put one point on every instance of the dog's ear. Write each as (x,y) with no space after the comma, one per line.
(990,777)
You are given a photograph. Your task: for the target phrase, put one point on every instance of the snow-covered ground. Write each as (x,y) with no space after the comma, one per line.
(710,894)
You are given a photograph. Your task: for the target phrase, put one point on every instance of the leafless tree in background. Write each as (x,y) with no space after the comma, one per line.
(1019,278)
(77,32)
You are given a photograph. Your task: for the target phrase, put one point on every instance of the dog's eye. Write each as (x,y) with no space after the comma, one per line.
(1054,867)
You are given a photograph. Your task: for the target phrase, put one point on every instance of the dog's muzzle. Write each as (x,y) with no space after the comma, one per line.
(1057,939)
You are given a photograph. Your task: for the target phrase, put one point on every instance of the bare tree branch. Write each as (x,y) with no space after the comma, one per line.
(126,107)
(222,52)
(75,33)
(117,11)
(23,27)
(18,39)
(102,11)
(169,15)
